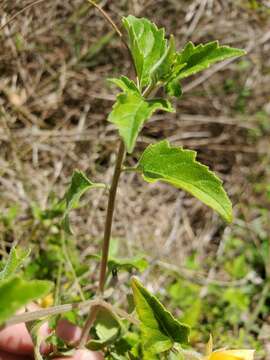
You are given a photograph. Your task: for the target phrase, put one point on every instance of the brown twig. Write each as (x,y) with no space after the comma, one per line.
(116,29)
(20,12)
(107,17)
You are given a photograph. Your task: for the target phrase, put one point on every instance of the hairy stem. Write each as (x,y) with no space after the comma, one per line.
(106,241)
(109,216)
(88,325)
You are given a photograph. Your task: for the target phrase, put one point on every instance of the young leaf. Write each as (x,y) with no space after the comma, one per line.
(173,88)
(14,262)
(16,292)
(149,48)
(108,329)
(179,167)
(160,330)
(131,111)
(200,57)
(138,263)
(79,185)
(193,59)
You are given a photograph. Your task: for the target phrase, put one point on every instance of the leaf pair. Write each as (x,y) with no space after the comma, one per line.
(156,59)
(157,63)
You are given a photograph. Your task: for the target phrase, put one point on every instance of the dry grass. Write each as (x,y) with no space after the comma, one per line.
(54,99)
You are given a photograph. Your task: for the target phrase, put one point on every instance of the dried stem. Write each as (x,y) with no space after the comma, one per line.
(107,17)
(116,29)
(60,309)
(20,12)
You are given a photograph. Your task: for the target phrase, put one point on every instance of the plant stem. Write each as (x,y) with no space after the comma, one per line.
(61,309)
(88,325)
(109,216)
(106,242)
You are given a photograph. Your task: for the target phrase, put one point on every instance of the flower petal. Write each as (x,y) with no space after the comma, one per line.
(232,355)
(242,354)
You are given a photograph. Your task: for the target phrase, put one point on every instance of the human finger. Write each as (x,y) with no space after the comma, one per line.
(83,354)
(15,339)
(8,356)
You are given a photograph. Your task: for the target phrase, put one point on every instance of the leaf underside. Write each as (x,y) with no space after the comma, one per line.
(178,167)
(160,330)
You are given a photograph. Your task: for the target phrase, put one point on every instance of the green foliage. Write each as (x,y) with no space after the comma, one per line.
(179,167)
(127,264)
(149,49)
(159,328)
(16,292)
(15,260)
(131,111)
(158,64)
(197,58)
(78,186)
(139,263)
(157,61)
(187,295)
(108,329)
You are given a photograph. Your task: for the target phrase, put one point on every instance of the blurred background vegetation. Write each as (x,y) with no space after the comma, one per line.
(54,100)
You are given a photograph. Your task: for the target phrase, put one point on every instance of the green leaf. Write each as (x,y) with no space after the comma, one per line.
(149,48)
(179,167)
(131,111)
(16,293)
(160,330)
(15,260)
(193,59)
(125,84)
(78,186)
(108,329)
(200,57)
(173,88)
(139,263)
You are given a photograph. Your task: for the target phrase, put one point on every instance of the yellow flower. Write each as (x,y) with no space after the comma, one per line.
(231,355)
(47,301)
(224,354)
